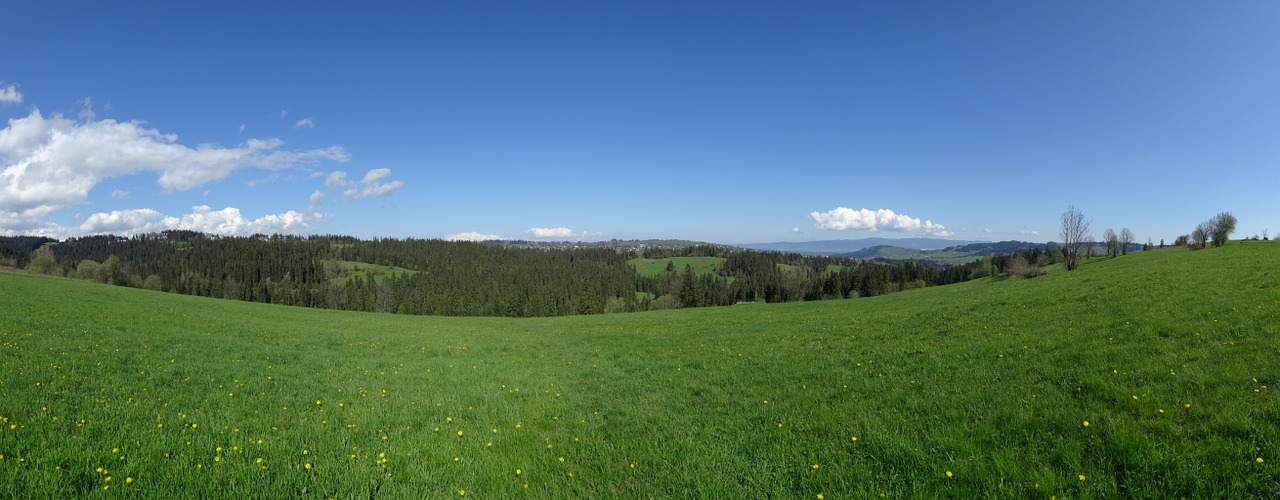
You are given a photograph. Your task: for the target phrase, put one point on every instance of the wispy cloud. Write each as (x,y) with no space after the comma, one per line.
(842,219)
(305,123)
(9,94)
(369,187)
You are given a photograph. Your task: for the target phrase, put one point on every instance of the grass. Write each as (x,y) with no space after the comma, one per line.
(654,267)
(369,273)
(980,389)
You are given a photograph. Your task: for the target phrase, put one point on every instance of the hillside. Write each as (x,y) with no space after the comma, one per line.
(1151,375)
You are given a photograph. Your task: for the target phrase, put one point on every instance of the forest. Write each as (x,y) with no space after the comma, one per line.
(435,277)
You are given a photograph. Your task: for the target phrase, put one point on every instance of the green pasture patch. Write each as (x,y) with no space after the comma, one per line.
(653,267)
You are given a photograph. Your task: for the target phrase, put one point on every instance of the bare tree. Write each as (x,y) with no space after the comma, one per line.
(1075,236)
(1113,242)
(1126,240)
(1199,236)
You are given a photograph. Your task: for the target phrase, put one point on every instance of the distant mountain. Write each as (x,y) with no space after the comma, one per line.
(958,254)
(833,247)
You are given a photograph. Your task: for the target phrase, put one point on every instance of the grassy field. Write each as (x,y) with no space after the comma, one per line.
(1151,375)
(367,272)
(654,267)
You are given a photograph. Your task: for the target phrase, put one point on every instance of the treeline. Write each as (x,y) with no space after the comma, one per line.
(463,278)
(766,276)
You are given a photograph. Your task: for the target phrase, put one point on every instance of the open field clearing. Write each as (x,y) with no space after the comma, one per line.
(1152,375)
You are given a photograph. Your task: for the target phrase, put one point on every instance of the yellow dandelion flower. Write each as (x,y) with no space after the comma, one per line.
(518,472)
(128,480)
(949,474)
(462,493)
(1086,423)
(820,497)
(459,433)
(1082,477)
(307,466)
(815,466)
(1259,459)
(854,438)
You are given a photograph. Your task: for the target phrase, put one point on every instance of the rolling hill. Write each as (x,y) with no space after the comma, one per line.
(1151,375)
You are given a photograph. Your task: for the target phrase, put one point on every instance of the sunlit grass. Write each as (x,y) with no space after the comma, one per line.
(1151,375)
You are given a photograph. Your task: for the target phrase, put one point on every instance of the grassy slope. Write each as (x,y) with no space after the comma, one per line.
(990,380)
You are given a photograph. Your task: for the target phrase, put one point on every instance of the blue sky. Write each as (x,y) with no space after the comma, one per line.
(730,122)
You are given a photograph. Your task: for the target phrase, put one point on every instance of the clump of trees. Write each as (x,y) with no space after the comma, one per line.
(1214,231)
(1118,244)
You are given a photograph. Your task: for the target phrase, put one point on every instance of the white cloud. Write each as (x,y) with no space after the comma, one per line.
(10,94)
(1029,232)
(242,128)
(305,122)
(317,198)
(50,164)
(86,113)
(842,218)
(336,178)
(551,232)
(472,236)
(797,230)
(376,175)
(369,187)
(987,231)
(227,221)
(119,194)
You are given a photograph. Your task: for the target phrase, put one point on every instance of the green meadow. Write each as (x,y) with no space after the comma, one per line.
(1151,375)
(654,267)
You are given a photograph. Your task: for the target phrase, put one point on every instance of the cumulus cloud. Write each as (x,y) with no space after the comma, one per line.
(551,232)
(228,221)
(50,164)
(842,218)
(472,236)
(796,230)
(9,94)
(119,194)
(305,123)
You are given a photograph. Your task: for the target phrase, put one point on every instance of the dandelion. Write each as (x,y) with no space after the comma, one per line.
(949,474)
(854,439)
(459,432)
(128,480)
(518,472)
(1259,459)
(561,459)
(815,466)
(1086,423)
(462,493)
(820,497)
(1082,477)
(307,466)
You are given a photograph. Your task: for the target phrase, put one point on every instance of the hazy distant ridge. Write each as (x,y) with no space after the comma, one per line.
(831,247)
